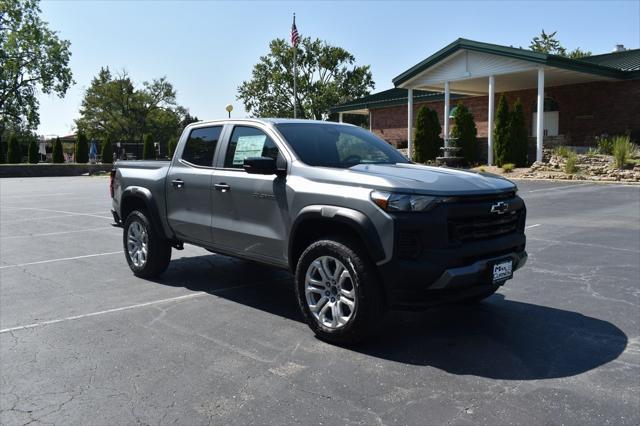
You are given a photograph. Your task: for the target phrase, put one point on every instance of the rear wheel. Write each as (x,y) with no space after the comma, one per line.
(147,253)
(338,291)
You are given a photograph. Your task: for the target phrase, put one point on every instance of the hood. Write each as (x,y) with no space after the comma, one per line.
(406,177)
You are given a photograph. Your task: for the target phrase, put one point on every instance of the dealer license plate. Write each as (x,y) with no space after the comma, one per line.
(502,270)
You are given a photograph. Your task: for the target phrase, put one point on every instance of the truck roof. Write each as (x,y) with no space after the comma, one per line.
(266,121)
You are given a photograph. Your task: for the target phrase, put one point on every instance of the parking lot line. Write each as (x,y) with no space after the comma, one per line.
(555,188)
(47,234)
(60,260)
(533,226)
(108,311)
(57,194)
(61,211)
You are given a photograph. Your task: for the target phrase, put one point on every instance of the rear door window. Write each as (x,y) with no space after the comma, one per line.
(248,142)
(201,145)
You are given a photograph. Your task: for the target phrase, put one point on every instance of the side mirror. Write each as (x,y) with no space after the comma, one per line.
(260,166)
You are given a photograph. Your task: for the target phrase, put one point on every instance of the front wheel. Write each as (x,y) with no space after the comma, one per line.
(338,291)
(147,253)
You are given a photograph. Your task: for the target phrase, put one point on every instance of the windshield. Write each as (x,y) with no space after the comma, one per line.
(335,145)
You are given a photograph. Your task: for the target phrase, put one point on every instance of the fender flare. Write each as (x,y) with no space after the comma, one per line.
(354,219)
(141,193)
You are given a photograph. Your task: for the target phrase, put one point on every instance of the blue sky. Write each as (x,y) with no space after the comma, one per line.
(207,48)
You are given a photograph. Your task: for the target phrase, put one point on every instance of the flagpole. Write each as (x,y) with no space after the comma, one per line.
(295,75)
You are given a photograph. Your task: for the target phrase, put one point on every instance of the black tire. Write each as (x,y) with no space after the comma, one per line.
(158,249)
(369,309)
(479,297)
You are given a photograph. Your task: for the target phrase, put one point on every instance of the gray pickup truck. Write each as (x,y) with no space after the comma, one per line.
(362,228)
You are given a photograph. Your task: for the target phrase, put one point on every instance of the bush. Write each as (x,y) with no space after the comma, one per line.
(148,152)
(173,143)
(465,131)
(33,154)
(427,137)
(623,150)
(57,155)
(14,154)
(508,167)
(518,136)
(107,152)
(501,133)
(562,151)
(571,165)
(605,145)
(3,151)
(82,149)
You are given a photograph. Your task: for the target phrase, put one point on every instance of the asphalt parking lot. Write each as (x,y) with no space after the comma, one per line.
(220,340)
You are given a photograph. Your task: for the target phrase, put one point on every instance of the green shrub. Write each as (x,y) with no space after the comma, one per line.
(508,167)
(107,152)
(592,152)
(57,155)
(148,152)
(571,165)
(501,133)
(562,151)
(466,132)
(14,154)
(33,154)
(82,149)
(3,150)
(427,141)
(173,143)
(623,150)
(605,145)
(518,136)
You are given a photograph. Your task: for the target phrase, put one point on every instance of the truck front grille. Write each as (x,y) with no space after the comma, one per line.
(478,228)
(408,245)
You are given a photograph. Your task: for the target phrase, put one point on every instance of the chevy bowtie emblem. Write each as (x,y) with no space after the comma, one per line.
(500,208)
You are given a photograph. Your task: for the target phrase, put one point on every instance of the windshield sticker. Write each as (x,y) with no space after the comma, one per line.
(248,146)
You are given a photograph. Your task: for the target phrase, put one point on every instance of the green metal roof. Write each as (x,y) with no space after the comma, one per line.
(390,97)
(607,67)
(626,60)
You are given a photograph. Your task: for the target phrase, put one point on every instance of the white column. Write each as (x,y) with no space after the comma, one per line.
(492,97)
(409,122)
(446,113)
(370,123)
(339,117)
(540,118)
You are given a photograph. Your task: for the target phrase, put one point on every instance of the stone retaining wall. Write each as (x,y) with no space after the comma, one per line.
(47,169)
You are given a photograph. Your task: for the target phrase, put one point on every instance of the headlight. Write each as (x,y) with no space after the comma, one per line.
(392,202)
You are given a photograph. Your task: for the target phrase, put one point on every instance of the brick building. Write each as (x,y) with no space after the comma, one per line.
(583,98)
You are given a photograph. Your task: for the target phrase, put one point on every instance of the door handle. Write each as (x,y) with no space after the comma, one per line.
(177,183)
(222,187)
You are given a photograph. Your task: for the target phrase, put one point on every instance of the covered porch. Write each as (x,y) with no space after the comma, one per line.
(473,69)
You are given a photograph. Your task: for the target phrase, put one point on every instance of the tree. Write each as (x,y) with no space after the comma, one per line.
(82,148)
(57,156)
(327,77)
(518,136)
(547,43)
(107,152)
(32,60)
(14,154)
(427,137)
(33,151)
(501,132)
(3,151)
(113,108)
(466,132)
(148,152)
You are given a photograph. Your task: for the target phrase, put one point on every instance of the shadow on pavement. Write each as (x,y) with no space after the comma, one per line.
(498,338)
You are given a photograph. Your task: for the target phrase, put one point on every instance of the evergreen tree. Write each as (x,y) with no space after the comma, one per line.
(14,154)
(501,133)
(466,132)
(173,143)
(433,140)
(107,152)
(33,155)
(518,137)
(147,149)
(57,156)
(421,136)
(82,149)
(3,151)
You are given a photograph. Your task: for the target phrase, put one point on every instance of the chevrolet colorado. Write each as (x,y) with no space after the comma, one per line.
(362,228)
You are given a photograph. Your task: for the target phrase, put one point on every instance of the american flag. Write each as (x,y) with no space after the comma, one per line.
(295,37)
